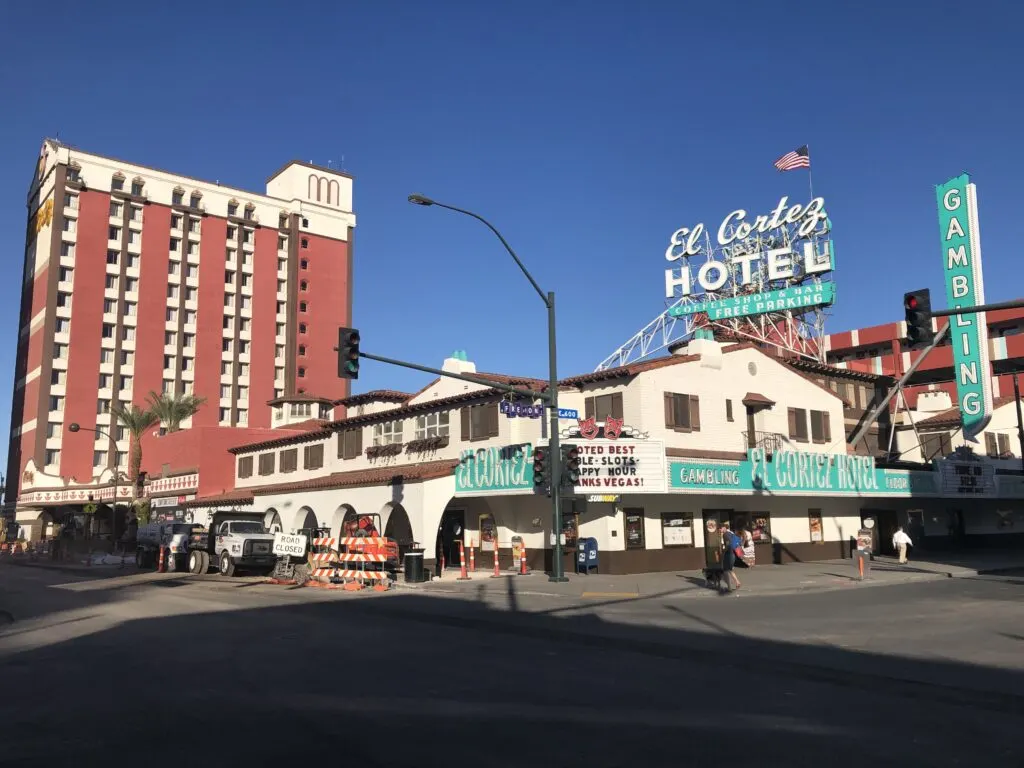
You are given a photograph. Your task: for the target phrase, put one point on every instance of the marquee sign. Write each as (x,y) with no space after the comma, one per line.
(621,466)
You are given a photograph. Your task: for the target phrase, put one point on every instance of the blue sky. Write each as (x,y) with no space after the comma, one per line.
(586,131)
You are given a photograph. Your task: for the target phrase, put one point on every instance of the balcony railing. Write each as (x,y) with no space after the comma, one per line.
(769,441)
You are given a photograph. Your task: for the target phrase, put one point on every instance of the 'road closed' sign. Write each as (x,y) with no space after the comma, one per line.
(289,544)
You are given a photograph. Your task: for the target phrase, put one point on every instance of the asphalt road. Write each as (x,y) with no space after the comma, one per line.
(171,671)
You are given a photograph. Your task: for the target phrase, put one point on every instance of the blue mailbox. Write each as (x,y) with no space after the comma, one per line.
(586,555)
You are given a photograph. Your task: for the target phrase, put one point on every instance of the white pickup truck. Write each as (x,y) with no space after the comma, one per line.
(243,544)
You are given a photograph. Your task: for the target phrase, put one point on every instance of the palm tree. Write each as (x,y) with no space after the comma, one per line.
(136,421)
(171,410)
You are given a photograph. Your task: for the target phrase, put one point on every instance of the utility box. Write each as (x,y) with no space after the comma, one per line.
(586,555)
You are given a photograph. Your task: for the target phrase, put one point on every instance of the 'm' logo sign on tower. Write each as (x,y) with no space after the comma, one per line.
(961,261)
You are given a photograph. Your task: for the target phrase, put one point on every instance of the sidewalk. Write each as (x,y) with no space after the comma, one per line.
(794,578)
(97,563)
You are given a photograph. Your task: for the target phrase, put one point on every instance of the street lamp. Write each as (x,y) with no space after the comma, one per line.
(557,573)
(76,427)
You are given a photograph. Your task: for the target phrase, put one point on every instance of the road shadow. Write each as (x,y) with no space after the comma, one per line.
(501,687)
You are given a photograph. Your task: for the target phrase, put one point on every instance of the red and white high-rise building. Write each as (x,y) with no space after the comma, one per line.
(138,280)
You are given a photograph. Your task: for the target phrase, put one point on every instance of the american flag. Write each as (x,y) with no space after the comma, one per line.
(798,158)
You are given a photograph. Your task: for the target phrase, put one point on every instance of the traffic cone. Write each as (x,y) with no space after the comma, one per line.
(497,570)
(522,562)
(463,576)
(161,566)
(472,556)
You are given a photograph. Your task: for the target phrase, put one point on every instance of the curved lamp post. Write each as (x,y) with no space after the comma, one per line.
(557,572)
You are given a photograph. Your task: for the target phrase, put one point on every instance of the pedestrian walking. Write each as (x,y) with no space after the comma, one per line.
(748,547)
(900,542)
(732,546)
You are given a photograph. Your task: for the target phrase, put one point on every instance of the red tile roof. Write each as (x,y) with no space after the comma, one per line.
(409,473)
(375,396)
(951,416)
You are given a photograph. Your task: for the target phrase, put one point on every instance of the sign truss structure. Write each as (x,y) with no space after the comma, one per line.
(743,309)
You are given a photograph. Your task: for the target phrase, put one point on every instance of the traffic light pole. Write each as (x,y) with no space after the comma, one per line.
(1015,304)
(461,376)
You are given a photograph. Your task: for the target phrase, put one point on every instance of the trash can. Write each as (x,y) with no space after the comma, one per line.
(586,555)
(414,566)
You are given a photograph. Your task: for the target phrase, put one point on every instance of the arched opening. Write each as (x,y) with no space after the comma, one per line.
(450,531)
(272,521)
(342,513)
(306,518)
(399,528)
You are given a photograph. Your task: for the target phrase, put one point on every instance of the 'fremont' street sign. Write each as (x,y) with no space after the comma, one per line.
(961,261)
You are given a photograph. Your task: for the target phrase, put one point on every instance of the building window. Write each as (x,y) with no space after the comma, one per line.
(173,267)
(190,294)
(56,403)
(290,460)
(60,351)
(54,429)
(131,284)
(350,443)
(63,299)
(170,338)
(176,221)
(105,379)
(676,529)
(193,248)
(67,249)
(115,210)
(313,456)
(58,377)
(245,466)
(243,370)
(137,188)
(127,357)
(997,445)
(106,356)
(63,325)
(302,306)
(99,458)
(190,317)
(229,277)
(304,264)
(114,233)
(195,200)
(303,286)
(302,327)
(682,412)
(175,244)
(603,406)
(480,422)
(108,331)
(935,445)
(821,429)
(232,208)
(117,183)
(305,222)
(52,457)
(225,345)
(225,391)
(432,425)
(113,257)
(111,283)
(388,433)
(302,348)
(633,525)
(172,315)
(798,424)
(302,373)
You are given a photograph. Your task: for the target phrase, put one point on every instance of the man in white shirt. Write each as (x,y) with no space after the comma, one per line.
(900,542)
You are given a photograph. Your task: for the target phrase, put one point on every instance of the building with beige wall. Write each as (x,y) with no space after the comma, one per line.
(670,448)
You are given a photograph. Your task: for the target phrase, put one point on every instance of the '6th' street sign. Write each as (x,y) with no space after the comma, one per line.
(961,260)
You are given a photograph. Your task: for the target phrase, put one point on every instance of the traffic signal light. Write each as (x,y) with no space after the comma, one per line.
(570,463)
(540,466)
(348,353)
(917,306)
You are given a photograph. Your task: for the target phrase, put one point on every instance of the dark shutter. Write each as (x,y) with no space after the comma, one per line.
(670,421)
(990,444)
(1004,445)
(617,405)
(792,423)
(695,413)
(491,419)
(464,416)
(826,426)
(728,410)
(588,408)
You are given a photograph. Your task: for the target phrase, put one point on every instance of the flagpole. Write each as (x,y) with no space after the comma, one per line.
(810,179)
